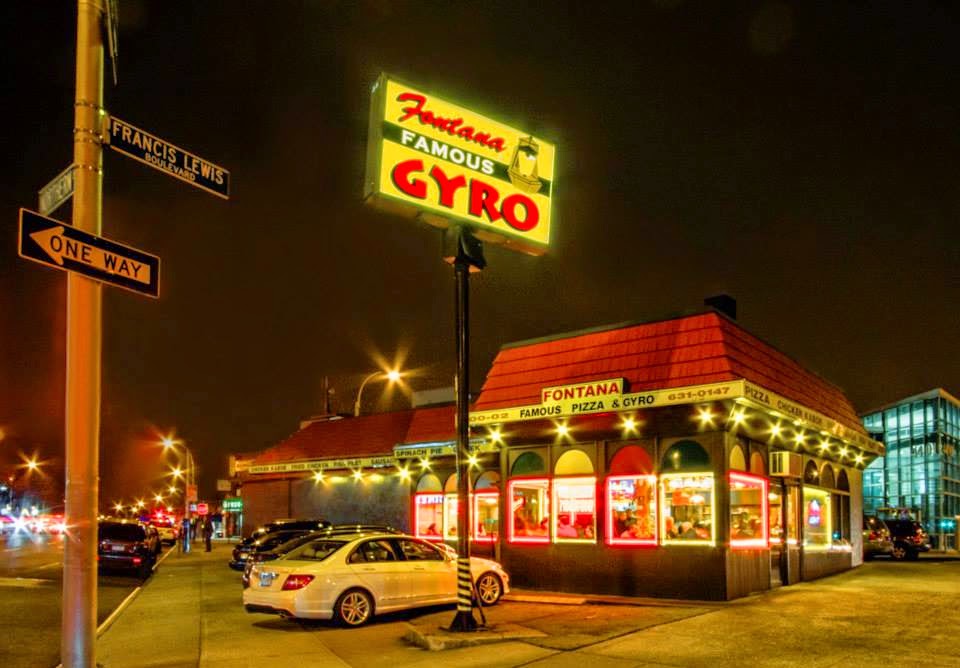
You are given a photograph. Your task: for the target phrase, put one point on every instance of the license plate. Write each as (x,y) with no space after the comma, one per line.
(117,548)
(266,579)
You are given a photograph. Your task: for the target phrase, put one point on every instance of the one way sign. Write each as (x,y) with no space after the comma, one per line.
(57,245)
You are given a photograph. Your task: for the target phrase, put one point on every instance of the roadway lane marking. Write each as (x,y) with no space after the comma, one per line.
(24,583)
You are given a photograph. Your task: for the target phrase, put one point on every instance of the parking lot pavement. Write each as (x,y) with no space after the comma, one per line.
(190,615)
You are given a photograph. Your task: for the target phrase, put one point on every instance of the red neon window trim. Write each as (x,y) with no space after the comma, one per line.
(416,515)
(764,540)
(612,537)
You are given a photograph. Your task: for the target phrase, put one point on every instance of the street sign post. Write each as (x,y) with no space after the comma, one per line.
(167,158)
(58,191)
(57,245)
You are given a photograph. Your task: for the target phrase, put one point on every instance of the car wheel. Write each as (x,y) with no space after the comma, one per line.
(354,608)
(899,552)
(489,589)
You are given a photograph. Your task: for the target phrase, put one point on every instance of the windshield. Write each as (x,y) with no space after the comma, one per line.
(120,532)
(315,550)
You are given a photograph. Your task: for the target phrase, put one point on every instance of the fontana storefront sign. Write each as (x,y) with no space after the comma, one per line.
(605,396)
(435,159)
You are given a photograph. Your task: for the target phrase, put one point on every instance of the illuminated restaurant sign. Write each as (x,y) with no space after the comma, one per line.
(808,417)
(443,162)
(324,464)
(603,396)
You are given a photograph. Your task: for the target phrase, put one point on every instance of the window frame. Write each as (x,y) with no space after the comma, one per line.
(416,514)
(590,481)
(748,478)
(529,540)
(665,479)
(610,535)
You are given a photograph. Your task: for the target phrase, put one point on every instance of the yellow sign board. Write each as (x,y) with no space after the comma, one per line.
(446,164)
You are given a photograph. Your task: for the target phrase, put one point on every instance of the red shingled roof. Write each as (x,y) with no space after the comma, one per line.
(432,424)
(348,437)
(692,350)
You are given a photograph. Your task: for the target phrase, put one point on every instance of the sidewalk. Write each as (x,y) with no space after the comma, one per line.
(189,614)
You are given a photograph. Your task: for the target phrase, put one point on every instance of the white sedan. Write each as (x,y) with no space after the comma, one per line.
(351,578)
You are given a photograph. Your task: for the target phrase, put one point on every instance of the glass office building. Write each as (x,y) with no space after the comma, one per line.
(920,473)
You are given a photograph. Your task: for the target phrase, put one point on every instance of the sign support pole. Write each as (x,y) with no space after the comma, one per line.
(84,316)
(468,254)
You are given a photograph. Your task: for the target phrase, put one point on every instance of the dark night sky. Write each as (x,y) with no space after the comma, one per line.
(801,156)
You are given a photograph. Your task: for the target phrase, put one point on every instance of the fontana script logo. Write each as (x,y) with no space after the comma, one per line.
(452,126)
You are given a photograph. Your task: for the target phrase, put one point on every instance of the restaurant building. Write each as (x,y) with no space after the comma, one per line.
(682,458)
(920,473)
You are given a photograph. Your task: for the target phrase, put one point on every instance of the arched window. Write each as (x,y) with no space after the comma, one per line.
(529,497)
(428,507)
(575,498)
(450,507)
(486,507)
(529,463)
(687,499)
(843,484)
(758,465)
(737,461)
(811,474)
(827,478)
(451,484)
(631,498)
(685,456)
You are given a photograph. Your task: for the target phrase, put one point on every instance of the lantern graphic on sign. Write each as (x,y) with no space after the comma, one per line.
(523,166)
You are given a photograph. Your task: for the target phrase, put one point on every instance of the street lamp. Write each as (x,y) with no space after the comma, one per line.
(391,376)
(185,457)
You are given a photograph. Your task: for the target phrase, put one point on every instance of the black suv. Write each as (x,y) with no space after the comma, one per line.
(909,539)
(127,546)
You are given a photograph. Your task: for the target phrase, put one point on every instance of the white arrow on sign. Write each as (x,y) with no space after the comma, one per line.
(58,247)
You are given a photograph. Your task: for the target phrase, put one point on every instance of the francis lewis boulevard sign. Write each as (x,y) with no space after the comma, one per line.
(446,164)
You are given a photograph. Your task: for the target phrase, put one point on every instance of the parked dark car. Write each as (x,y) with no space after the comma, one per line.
(266,541)
(909,539)
(288,524)
(876,538)
(127,546)
(258,556)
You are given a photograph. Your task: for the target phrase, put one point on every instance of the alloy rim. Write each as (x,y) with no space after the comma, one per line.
(489,589)
(355,608)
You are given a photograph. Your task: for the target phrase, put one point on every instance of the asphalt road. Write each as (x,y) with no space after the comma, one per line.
(31,577)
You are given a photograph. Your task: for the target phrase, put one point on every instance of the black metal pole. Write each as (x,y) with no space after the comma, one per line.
(464,620)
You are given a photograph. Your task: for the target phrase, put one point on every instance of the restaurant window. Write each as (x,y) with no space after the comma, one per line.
(749,510)
(631,498)
(817,518)
(827,479)
(428,508)
(811,474)
(687,500)
(575,499)
(530,510)
(758,465)
(486,507)
(450,506)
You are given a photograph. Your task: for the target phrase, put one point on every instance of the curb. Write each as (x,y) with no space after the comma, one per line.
(441,639)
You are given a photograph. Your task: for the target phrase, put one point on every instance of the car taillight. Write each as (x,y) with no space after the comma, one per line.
(296,582)
(136,561)
(874,535)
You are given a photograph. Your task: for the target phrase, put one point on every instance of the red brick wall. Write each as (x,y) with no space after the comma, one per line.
(264,501)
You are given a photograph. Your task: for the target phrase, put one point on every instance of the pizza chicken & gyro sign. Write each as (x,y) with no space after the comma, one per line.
(432,158)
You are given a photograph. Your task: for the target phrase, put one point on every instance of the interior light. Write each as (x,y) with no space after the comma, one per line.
(799,438)
(358,475)
(318,476)
(404,473)
(495,435)
(823,445)
(629,424)
(472,460)
(739,416)
(775,429)
(843,451)
(859,458)
(562,429)
(425,462)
